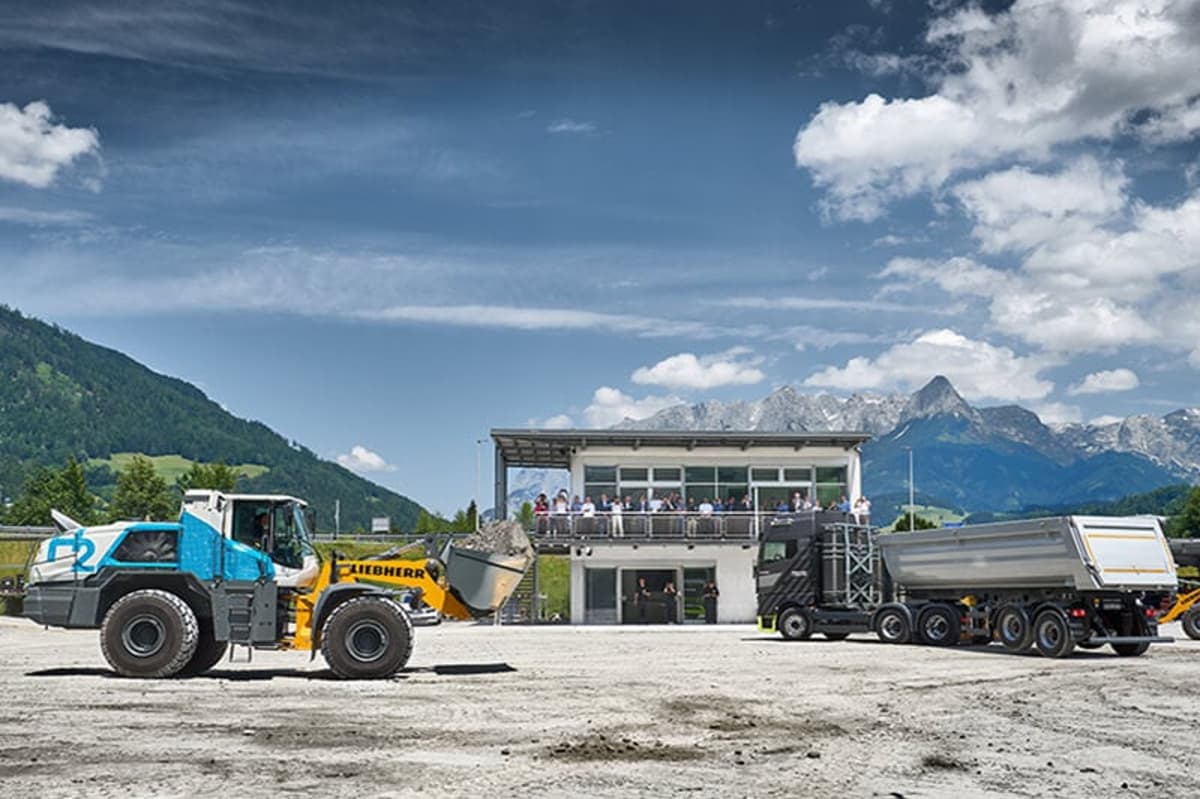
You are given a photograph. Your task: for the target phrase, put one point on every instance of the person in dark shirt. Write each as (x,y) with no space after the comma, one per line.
(671,602)
(710,602)
(641,597)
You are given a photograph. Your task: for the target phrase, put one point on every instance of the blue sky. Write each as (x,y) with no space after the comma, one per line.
(384,228)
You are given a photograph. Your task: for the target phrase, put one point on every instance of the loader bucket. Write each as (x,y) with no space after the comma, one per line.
(484,569)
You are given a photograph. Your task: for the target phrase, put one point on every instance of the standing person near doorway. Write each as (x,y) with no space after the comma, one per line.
(641,598)
(710,602)
(671,602)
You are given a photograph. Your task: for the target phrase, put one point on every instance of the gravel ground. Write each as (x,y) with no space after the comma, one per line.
(562,711)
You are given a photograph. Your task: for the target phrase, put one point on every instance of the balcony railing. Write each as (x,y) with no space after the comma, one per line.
(661,525)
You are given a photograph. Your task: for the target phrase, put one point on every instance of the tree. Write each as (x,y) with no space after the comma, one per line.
(1187,523)
(525,516)
(919,523)
(142,494)
(64,490)
(215,476)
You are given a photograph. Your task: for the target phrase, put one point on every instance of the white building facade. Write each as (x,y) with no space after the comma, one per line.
(747,478)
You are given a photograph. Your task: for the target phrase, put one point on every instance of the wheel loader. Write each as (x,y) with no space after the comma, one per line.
(171,598)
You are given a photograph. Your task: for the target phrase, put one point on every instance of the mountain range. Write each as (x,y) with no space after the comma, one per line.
(61,397)
(988,458)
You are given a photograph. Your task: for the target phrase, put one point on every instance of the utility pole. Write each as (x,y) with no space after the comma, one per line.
(337,518)
(912,509)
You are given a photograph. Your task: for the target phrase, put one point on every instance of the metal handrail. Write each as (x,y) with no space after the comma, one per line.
(657,525)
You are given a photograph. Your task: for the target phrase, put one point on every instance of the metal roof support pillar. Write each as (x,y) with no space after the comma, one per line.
(501,506)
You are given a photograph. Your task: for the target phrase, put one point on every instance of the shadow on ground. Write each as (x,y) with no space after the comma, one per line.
(251,675)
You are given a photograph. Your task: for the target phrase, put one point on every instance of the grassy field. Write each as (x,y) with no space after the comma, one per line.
(555,583)
(170,467)
(931,513)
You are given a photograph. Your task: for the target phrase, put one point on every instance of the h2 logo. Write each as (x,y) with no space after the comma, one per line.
(82,548)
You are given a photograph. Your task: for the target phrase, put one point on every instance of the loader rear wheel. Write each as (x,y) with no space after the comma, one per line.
(1052,634)
(367,638)
(939,625)
(1191,623)
(149,633)
(795,624)
(209,651)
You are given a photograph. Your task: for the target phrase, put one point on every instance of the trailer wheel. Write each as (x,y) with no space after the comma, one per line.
(1052,634)
(1191,623)
(149,633)
(367,638)
(795,624)
(836,636)
(1131,650)
(1014,628)
(893,627)
(939,625)
(209,651)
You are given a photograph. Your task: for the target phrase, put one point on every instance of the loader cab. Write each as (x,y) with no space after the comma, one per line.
(280,527)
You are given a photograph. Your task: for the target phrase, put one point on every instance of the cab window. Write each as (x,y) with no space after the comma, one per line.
(777,550)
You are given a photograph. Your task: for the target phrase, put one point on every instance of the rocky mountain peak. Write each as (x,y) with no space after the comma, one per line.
(937,398)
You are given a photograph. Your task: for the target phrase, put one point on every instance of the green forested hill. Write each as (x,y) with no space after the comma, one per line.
(62,396)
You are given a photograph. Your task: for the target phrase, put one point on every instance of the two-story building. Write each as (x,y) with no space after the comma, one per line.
(693,503)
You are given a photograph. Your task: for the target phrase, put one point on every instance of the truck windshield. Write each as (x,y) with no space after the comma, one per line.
(772,551)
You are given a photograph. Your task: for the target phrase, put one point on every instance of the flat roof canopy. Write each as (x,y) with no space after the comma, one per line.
(532,448)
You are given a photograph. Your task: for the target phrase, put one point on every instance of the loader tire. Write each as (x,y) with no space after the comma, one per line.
(149,633)
(209,651)
(367,638)
(1191,623)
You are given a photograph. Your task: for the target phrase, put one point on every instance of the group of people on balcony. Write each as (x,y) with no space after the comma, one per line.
(610,512)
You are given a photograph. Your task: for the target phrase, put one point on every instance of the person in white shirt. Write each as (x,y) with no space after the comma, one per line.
(705,507)
(862,511)
(588,508)
(615,524)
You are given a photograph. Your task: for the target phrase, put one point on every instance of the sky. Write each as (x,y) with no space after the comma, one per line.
(384,228)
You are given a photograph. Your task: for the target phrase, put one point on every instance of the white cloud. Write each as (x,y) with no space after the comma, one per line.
(1013,85)
(570,126)
(977,369)
(611,406)
(816,304)
(686,371)
(557,422)
(1106,382)
(361,459)
(1056,413)
(34,148)
(1105,420)
(35,218)
(535,318)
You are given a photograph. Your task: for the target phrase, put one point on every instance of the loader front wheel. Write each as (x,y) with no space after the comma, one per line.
(149,633)
(367,638)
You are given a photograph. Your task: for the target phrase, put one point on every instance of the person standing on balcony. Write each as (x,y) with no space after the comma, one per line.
(615,523)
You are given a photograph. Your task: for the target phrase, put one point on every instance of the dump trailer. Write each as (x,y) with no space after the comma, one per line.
(170,598)
(1053,583)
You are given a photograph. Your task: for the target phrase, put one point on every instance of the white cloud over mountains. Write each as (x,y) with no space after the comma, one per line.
(687,371)
(1014,86)
(610,406)
(364,461)
(1106,382)
(34,148)
(978,370)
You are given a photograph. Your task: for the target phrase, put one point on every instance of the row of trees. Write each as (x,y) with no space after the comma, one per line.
(140,493)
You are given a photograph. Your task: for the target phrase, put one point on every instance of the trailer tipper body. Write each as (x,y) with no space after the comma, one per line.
(1053,583)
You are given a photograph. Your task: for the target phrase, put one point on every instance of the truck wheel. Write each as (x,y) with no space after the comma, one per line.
(367,638)
(1191,623)
(939,625)
(1052,634)
(836,636)
(149,633)
(1131,650)
(1013,628)
(893,627)
(209,651)
(795,624)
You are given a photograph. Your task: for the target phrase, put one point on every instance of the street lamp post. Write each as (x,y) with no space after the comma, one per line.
(478,445)
(911,500)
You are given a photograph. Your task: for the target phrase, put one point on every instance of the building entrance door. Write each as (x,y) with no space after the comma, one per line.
(655,609)
(693,592)
(600,596)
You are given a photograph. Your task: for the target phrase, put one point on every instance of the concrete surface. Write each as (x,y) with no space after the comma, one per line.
(563,711)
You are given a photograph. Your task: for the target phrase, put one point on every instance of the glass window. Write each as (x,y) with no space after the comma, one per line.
(796,475)
(667,474)
(594,490)
(731,474)
(765,475)
(777,550)
(700,474)
(698,491)
(831,474)
(631,474)
(736,491)
(828,493)
(599,474)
